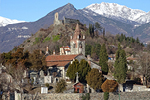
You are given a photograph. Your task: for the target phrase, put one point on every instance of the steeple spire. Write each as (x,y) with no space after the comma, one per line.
(77,34)
(77,28)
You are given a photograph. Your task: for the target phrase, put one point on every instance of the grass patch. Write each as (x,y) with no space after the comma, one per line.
(56,38)
(46,39)
(37,40)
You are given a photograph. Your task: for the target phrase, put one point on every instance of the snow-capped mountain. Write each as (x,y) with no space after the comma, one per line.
(6,21)
(116,11)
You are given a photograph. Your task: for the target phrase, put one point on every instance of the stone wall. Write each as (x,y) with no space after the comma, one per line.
(68,21)
(94,96)
(52,96)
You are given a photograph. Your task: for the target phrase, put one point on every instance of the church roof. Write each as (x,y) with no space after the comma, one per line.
(59,60)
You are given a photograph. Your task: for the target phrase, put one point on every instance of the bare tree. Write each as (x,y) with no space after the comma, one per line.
(5,82)
(17,75)
(144,65)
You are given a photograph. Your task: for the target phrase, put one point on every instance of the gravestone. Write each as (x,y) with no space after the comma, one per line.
(25,74)
(34,80)
(41,73)
(41,80)
(48,79)
(33,74)
(44,90)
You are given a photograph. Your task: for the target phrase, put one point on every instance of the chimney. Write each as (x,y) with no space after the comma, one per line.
(47,48)
(47,53)
(53,52)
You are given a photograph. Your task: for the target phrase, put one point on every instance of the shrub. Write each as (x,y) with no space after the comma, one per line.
(37,40)
(28,40)
(106,95)
(86,96)
(109,86)
(47,85)
(61,86)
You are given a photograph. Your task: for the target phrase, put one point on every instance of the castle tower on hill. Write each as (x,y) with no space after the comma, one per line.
(77,42)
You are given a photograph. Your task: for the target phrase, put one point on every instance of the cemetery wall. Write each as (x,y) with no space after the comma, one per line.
(94,96)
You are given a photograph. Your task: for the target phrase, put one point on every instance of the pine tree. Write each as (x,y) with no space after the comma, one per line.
(120,65)
(95,79)
(72,69)
(83,70)
(137,40)
(103,59)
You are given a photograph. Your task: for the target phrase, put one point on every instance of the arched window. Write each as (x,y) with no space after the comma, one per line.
(80,45)
(74,45)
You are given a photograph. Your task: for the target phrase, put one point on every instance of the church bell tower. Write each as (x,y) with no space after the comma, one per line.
(77,42)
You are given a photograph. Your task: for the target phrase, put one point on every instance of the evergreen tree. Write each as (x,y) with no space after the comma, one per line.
(98,26)
(83,70)
(137,40)
(91,30)
(103,58)
(88,49)
(103,32)
(120,65)
(95,79)
(72,69)
(106,95)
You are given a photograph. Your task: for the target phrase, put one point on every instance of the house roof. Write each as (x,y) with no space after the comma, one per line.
(59,60)
(67,50)
(130,58)
(78,83)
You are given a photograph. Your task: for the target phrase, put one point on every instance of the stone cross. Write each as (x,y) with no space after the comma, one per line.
(48,74)
(77,77)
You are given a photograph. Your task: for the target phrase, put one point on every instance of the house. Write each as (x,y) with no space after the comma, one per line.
(79,87)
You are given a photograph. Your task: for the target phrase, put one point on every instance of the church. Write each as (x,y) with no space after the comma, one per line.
(58,64)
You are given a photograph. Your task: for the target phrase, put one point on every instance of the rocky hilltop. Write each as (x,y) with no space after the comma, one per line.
(53,37)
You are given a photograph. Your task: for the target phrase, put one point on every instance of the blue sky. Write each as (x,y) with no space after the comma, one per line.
(32,10)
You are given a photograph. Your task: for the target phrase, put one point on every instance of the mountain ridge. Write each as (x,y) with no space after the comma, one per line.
(6,21)
(111,10)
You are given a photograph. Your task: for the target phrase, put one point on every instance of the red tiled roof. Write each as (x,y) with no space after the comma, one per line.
(58,64)
(65,47)
(59,60)
(67,50)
